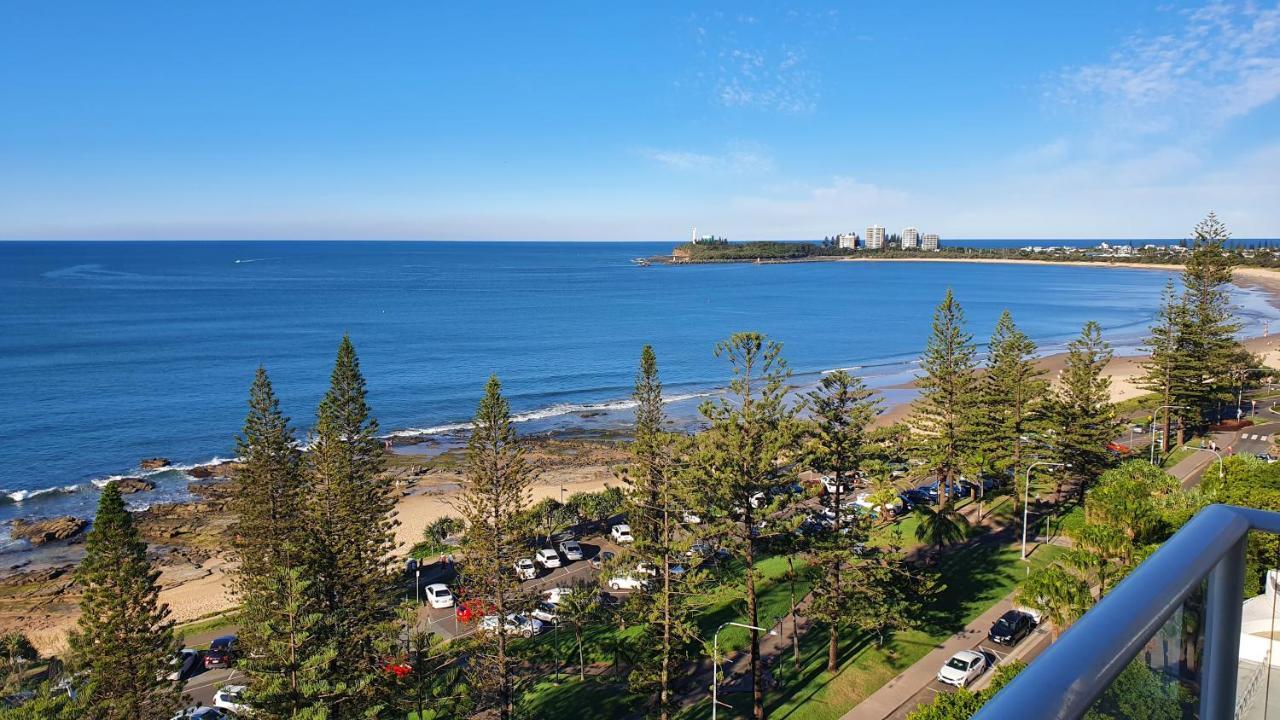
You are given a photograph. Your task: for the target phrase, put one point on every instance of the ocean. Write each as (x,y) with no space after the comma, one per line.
(111,352)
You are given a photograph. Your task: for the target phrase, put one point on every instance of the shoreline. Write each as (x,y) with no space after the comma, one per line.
(192,556)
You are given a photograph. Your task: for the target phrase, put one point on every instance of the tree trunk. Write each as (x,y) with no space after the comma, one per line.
(757,679)
(833,647)
(582,664)
(664,696)
(795,629)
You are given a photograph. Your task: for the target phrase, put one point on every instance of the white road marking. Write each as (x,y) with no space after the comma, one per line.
(1263,438)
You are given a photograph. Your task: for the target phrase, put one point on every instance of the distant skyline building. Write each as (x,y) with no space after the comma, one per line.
(874,239)
(910,238)
(929,241)
(848,241)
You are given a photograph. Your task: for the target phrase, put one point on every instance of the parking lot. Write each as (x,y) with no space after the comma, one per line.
(444,621)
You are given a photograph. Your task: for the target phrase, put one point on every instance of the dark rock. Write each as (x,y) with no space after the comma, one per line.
(130,485)
(43,531)
(154,463)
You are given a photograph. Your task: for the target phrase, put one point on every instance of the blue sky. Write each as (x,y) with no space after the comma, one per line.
(593,121)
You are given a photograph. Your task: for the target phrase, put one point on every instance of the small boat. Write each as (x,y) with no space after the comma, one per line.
(641,262)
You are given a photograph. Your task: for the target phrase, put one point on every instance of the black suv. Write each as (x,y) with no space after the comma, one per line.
(1011,627)
(222,652)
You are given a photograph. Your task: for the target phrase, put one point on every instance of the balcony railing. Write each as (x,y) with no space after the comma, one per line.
(1187,595)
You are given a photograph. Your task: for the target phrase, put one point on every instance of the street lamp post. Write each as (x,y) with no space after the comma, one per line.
(1026,496)
(715,661)
(416,585)
(1154,425)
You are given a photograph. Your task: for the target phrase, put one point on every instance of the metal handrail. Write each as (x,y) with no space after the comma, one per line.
(1064,681)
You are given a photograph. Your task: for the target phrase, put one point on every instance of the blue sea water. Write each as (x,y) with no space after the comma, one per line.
(115,351)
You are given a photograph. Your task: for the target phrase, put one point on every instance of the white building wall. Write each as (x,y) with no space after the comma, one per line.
(910,238)
(874,239)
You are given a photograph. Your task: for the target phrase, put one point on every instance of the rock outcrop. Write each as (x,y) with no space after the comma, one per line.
(40,532)
(154,463)
(130,485)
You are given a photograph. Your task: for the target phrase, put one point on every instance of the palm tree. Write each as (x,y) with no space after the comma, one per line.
(577,609)
(941,526)
(16,649)
(1059,595)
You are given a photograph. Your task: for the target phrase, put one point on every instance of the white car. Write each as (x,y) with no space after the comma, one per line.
(202,713)
(652,570)
(691,518)
(1033,613)
(829,483)
(182,663)
(571,550)
(626,582)
(525,569)
(546,612)
(963,668)
(514,625)
(555,595)
(438,595)
(547,558)
(621,534)
(231,697)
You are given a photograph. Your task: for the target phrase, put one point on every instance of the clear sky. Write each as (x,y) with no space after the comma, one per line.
(560,120)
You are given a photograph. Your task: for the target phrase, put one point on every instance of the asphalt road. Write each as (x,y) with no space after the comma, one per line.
(1027,650)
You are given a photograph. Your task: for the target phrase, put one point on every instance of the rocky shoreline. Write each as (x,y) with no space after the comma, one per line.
(189,540)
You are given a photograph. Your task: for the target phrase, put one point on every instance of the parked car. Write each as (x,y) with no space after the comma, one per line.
(525,569)
(1029,612)
(202,713)
(571,550)
(759,500)
(599,560)
(546,612)
(469,610)
(555,595)
(691,518)
(231,697)
(626,582)
(829,484)
(653,570)
(222,652)
(514,624)
(1011,627)
(1266,457)
(438,595)
(963,668)
(547,558)
(181,665)
(621,534)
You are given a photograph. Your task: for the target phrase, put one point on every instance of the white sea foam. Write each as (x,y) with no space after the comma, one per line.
(20,496)
(851,368)
(550,411)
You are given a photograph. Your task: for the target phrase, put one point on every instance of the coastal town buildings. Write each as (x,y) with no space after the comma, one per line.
(910,238)
(929,241)
(849,241)
(874,239)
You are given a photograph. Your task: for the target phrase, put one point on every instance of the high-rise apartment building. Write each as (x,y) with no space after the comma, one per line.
(929,241)
(874,239)
(910,238)
(848,240)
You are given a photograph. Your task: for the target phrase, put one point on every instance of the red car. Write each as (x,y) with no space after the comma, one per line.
(469,610)
(1119,449)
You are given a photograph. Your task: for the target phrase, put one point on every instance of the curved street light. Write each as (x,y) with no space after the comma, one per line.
(715,661)
(1026,495)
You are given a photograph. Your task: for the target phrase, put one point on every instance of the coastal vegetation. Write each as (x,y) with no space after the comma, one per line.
(746,543)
